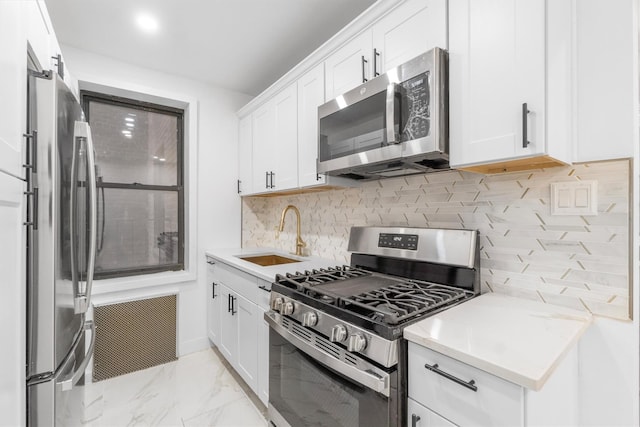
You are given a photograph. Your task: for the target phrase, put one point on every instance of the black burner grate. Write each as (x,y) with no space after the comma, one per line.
(383,299)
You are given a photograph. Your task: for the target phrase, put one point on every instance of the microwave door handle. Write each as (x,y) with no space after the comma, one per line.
(82,300)
(392,136)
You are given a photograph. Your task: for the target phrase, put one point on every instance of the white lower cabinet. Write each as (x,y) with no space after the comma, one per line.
(419,416)
(236,325)
(455,393)
(213,304)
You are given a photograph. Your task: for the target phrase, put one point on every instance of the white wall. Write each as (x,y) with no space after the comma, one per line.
(214,143)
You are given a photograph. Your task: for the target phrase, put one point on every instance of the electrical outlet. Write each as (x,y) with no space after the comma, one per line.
(574,198)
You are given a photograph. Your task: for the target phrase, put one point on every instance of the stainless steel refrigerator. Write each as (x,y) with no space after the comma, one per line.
(61,242)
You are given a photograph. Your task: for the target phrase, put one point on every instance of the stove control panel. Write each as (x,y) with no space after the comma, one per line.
(398,241)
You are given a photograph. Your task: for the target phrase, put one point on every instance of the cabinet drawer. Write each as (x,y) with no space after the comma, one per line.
(264,294)
(495,402)
(238,281)
(419,416)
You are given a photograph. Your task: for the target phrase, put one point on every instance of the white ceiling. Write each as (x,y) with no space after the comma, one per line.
(243,45)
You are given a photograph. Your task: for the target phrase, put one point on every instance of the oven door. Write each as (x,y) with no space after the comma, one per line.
(309,387)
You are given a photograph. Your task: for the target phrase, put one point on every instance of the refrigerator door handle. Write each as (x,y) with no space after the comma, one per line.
(83,298)
(72,379)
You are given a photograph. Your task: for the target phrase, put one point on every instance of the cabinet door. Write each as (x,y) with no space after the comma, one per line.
(263,357)
(497,64)
(310,97)
(13,71)
(264,130)
(213,305)
(247,360)
(245,155)
(228,326)
(285,144)
(349,66)
(419,416)
(408,31)
(11,302)
(606,98)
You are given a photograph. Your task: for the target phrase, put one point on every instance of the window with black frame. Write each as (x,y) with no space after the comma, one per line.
(139,157)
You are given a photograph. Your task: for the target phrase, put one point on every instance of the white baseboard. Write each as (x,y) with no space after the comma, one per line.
(191,346)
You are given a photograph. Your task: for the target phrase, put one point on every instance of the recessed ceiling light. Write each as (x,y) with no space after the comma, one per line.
(128,135)
(162,159)
(147,23)
(129,119)
(130,125)
(126,131)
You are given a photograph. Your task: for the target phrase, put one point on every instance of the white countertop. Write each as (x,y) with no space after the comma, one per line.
(519,340)
(232,256)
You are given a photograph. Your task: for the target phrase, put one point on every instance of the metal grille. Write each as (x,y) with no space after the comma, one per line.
(134,335)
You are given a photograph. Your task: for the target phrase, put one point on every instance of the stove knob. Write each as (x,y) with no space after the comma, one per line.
(338,333)
(276,304)
(357,342)
(287,308)
(309,319)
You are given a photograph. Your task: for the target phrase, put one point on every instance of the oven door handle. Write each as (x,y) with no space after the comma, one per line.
(374,378)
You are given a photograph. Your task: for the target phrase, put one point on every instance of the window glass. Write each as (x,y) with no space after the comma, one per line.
(139,178)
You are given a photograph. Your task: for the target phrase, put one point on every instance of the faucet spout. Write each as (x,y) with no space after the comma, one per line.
(299,242)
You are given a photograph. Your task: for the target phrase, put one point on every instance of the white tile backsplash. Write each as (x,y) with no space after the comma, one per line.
(574,261)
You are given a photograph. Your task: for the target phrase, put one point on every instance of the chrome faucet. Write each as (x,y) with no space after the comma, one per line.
(299,242)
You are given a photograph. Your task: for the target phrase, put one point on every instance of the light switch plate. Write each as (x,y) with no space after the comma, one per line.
(574,198)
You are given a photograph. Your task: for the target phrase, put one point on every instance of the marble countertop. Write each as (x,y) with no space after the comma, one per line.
(233,257)
(519,340)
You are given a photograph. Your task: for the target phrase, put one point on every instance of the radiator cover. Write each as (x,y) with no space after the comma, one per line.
(134,335)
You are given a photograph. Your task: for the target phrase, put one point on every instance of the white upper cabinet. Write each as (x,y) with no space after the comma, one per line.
(606,55)
(412,28)
(286,143)
(13,71)
(275,140)
(497,81)
(348,67)
(310,96)
(409,30)
(245,157)
(264,131)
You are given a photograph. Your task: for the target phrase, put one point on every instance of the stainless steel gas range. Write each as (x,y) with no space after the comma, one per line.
(336,353)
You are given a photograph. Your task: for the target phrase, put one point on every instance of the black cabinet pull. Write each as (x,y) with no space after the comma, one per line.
(525,116)
(364,62)
(233,305)
(266,179)
(213,291)
(414,420)
(376,54)
(272,176)
(239,186)
(229,303)
(264,288)
(434,368)
(210,262)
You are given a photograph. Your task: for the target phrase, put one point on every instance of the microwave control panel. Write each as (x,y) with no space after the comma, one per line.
(398,241)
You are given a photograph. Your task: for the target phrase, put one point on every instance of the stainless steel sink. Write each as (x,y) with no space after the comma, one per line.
(266,260)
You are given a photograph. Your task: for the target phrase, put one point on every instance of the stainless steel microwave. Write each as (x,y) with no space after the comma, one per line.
(395,124)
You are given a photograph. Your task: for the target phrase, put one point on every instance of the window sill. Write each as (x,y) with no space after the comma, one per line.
(105,286)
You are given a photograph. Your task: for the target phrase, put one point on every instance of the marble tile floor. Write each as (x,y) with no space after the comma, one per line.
(196,390)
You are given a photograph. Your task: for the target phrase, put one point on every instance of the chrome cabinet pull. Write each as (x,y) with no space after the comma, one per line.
(525,116)
(414,420)
(376,55)
(434,368)
(364,62)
